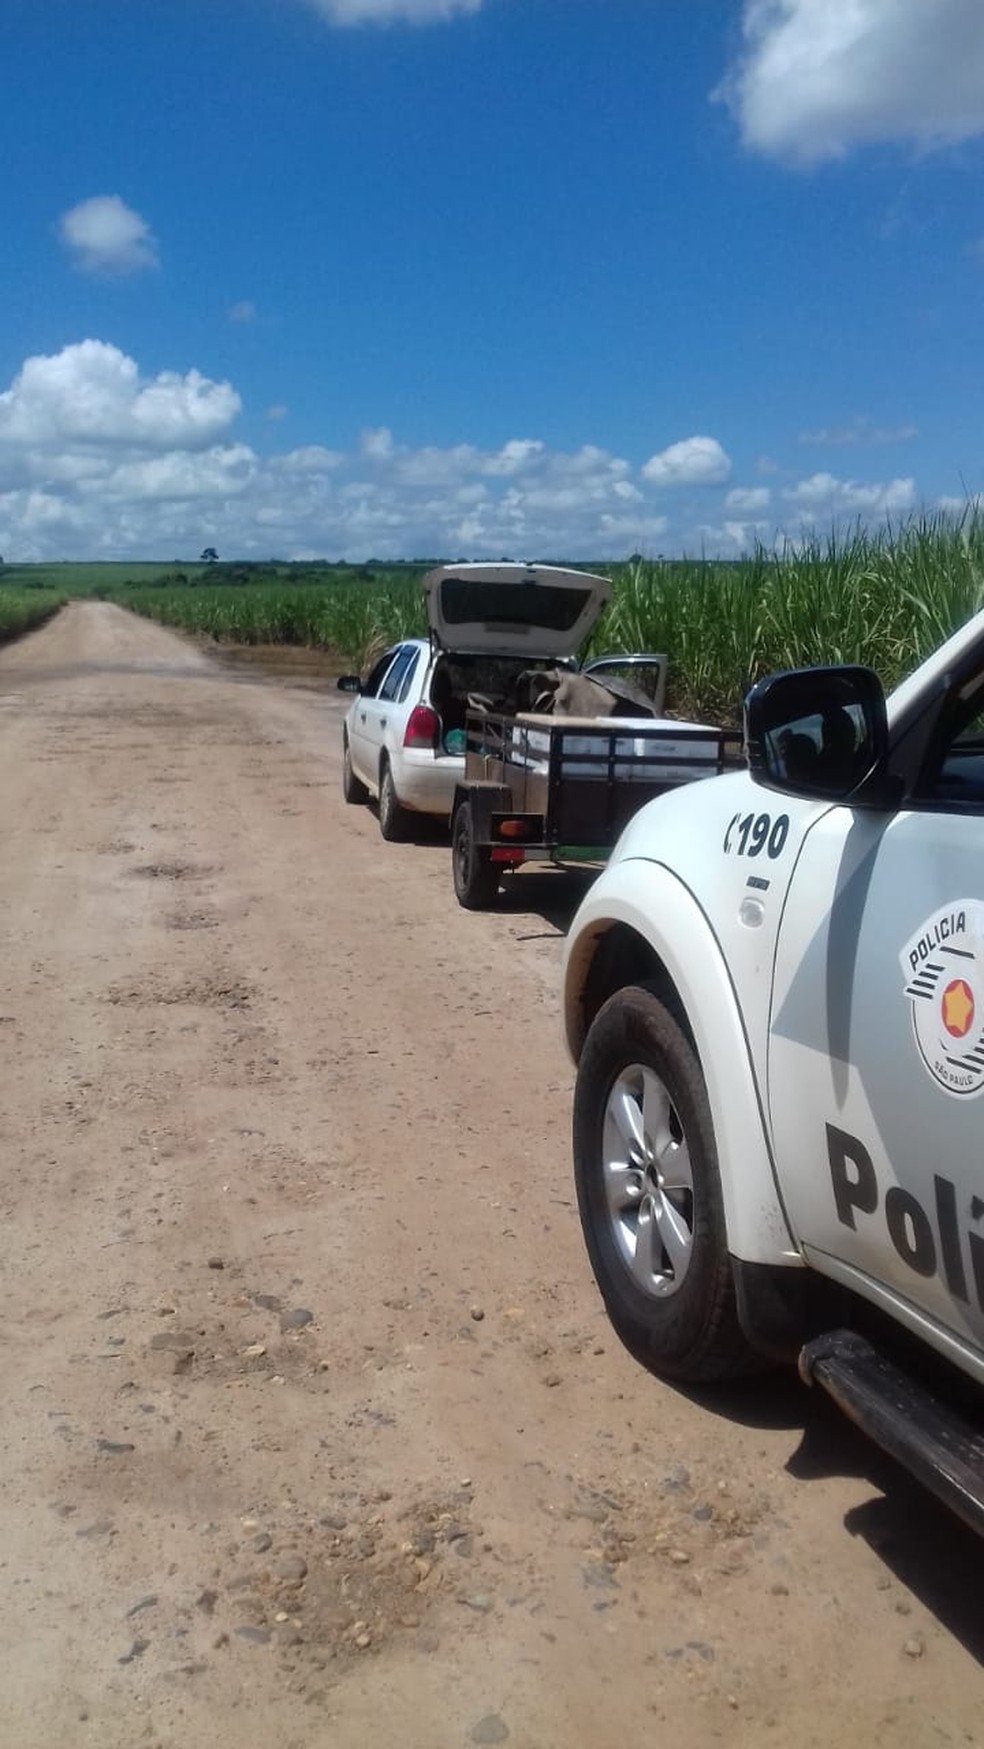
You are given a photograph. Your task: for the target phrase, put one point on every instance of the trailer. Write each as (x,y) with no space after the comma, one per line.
(559,790)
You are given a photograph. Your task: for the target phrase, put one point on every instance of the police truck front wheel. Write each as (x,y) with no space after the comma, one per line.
(649,1193)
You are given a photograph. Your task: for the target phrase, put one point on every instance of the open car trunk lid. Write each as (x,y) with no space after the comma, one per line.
(540,611)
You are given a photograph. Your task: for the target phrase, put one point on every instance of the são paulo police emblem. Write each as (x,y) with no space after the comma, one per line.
(943,966)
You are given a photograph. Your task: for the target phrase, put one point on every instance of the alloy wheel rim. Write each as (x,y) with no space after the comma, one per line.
(648,1181)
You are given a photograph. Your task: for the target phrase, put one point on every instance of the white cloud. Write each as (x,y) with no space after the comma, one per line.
(348,12)
(742,533)
(818,77)
(92,393)
(823,495)
(434,467)
(514,456)
(377,445)
(738,534)
(732,537)
(35,512)
(697,461)
(748,499)
(105,236)
(98,461)
(859,430)
(589,458)
(622,535)
(182,476)
(313,458)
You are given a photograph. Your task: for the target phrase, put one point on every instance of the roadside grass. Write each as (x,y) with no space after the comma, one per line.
(885,599)
(72,578)
(355,620)
(23,609)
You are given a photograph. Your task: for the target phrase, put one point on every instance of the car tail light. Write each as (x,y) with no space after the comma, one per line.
(423,727)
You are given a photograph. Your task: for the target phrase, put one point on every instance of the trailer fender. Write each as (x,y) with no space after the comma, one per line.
(484,799)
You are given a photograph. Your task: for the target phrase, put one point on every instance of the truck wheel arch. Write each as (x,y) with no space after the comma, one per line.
(633,940)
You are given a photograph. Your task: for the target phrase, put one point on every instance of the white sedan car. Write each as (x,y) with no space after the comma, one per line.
(396,744)
(403,739)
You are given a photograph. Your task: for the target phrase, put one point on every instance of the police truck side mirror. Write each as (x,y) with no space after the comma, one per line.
(820,732)
(349,683)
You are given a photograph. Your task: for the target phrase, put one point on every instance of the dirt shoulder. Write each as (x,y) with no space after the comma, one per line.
(315,1430)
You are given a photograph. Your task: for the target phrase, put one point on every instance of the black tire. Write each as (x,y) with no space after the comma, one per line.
(352,787)
(683,1323)
(476,878)
(393,820)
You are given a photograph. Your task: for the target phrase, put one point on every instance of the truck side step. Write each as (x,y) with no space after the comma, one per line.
(941,1449)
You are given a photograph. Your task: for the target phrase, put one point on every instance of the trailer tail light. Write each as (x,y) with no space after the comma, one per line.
(423,728)
(527,829)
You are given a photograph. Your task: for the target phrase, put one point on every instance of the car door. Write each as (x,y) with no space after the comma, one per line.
(644,672)
(378,708)
(362,721)
(876,1043)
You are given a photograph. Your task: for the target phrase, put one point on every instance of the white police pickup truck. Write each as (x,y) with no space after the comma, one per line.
(775,998)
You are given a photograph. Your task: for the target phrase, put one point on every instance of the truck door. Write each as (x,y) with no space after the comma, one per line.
(876,1039)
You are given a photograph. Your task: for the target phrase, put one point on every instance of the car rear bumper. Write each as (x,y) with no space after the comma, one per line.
(426,783)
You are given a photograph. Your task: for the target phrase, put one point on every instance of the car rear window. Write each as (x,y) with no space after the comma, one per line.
(408,678)
(391,684)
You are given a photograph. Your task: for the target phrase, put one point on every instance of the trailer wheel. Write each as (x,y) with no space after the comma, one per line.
(649,1193)
(476,878)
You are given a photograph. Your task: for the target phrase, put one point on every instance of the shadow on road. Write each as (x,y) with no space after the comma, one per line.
(422,829)
(553,895)
(547,895)
(930,1553)
(924,1545)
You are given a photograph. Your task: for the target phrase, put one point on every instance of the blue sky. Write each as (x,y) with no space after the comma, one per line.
(472,278)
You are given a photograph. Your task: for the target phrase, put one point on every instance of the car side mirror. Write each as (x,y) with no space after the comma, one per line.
(821,732)
(349,683)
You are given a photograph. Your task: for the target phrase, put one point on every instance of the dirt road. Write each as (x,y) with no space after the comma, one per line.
(315,1432)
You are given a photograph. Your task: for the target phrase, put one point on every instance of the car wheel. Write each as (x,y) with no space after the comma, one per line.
(476,878)
(352,788)
(392,813)
(649,1192)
